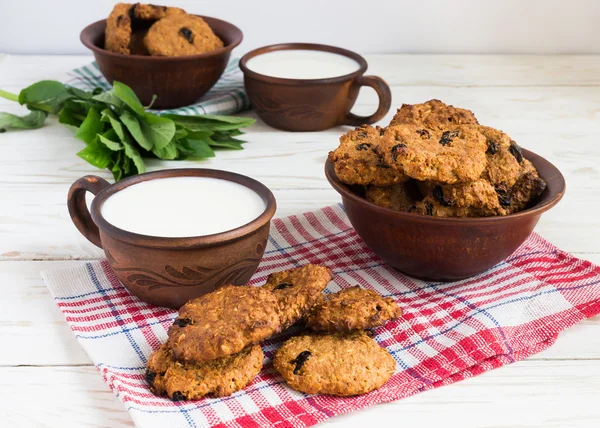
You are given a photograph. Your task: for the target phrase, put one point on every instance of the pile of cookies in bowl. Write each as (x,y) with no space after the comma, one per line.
(437,160)
(147,29)
(213,347)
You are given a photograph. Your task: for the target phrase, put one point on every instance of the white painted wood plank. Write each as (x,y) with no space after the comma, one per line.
(30,320)
(58,397)
(532,394)
(397,70)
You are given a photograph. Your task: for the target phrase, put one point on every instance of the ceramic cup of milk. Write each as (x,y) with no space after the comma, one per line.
(309,87)
(173,235)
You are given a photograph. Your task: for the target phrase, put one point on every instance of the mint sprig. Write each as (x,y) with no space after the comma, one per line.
(117,129)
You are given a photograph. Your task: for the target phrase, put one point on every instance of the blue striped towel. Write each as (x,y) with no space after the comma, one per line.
(226,97)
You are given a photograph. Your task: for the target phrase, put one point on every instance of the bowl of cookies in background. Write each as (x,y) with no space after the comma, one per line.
(438,196)
(163,51)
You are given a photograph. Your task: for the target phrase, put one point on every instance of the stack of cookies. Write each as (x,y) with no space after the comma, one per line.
(435,159)
(213,347)
(146,29)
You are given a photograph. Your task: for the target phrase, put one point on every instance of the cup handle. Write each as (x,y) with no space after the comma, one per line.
(78,208)
(385,100)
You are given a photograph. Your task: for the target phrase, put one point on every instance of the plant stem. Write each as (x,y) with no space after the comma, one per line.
(9,96)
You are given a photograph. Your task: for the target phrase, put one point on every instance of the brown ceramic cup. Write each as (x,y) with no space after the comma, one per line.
(171,271)
(445,249)
(177,81)
(312,104)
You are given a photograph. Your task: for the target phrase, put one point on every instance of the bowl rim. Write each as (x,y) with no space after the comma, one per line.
(86,37)
(302,46)
(189,241)
(555,190)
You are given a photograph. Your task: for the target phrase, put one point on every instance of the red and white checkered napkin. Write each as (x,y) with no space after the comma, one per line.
(449,331)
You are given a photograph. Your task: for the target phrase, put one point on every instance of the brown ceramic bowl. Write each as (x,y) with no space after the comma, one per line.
(312,104)
(446,249)
(171,271)
(177,81)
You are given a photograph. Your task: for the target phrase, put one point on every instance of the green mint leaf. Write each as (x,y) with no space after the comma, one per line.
(200,149)
(108,97)
(117,166)
(84,95)
(96,154)
(180,133)
(47,95)
(90,127)
(115,123)
(160,130)
(109,139)
(133,126)
(69,117)
(126,94)
(35,119)
(132,153)
(168,152)
(212,122)
(198,135)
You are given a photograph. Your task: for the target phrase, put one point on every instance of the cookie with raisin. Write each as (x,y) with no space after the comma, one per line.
(356,161)
(223,323)
(342,364)
(447,155)
(117,34)
(297,290)
(181,34)
(350,309)
(433,114)
(191,381)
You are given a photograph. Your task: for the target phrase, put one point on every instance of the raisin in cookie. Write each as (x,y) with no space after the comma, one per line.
(433,114)
(448,155)
(397,198)
(352,308)
(297,290)
(191,381)
(224,322)
(181,34)
(341,364)
(118,29)
(356,162)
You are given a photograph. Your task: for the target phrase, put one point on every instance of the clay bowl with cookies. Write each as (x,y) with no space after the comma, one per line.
(175,76)
(445,248)
(173,235)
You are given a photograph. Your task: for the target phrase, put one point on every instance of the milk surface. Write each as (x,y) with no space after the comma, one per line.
(179,207)
(302,64)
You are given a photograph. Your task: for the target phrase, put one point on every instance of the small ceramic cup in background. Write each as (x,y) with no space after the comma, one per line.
(312,104)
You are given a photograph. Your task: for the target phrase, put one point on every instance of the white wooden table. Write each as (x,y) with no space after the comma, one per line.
(550,104)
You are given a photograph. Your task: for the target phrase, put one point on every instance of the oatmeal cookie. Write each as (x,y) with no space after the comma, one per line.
(118,29)
(223,322)
(150,12)
(191,381)
(352,308)
(473,199)
(433,114)
(396,197)
(356,162)
(448,155)
(502,165)
(297,290)
(181,34)
(341,364)
(528,187)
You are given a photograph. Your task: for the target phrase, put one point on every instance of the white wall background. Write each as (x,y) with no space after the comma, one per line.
(367,26)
